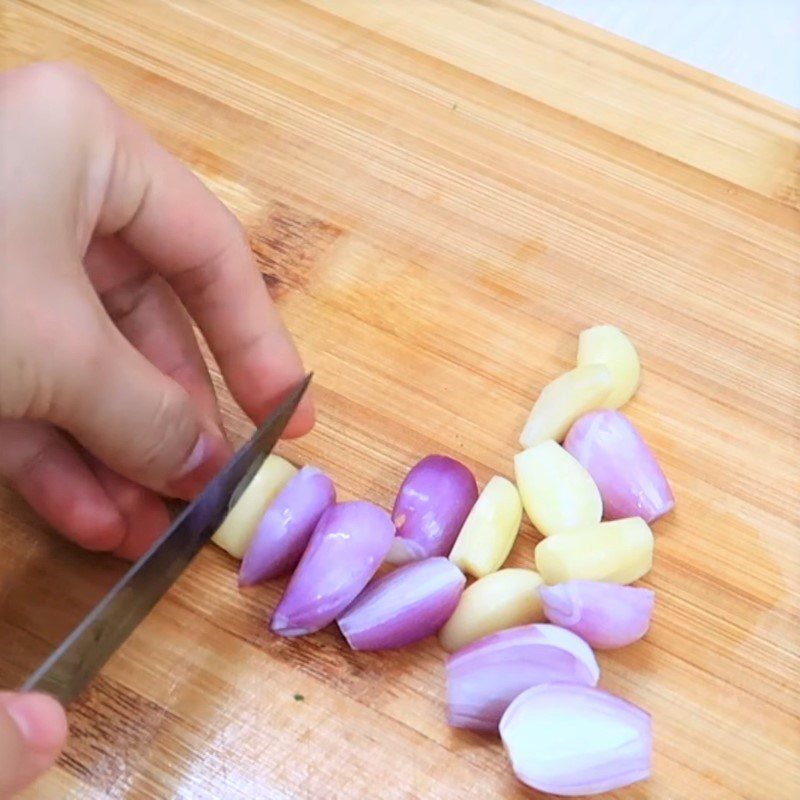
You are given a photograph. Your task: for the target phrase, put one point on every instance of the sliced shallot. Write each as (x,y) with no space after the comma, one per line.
(606,615)
(483,678)
(627,474)
(404,606)
(431,506)
(346,549)
(571,740)
(287,525)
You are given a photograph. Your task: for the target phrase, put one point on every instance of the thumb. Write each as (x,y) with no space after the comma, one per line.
(129,414)
(33,729)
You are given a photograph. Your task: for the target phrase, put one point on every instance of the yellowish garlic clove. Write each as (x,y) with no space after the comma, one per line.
(490,529)
(239,526)
(563,400)
(608,346)
(618,552)
(557,492)
(504,599)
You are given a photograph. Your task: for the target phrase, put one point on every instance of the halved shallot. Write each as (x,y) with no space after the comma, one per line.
(606,615)
(571,740)
(404,606)
(483,678)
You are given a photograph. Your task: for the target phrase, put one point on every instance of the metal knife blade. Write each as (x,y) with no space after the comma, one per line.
(84,652)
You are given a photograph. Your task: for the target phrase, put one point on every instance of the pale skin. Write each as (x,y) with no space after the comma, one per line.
(109,249)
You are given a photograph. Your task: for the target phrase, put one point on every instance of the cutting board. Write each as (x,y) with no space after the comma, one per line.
(441,195)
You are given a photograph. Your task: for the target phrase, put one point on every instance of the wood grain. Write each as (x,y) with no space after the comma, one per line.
(441,194)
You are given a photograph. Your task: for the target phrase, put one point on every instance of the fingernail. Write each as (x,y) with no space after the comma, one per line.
(208,456)
(22,712)
(198,455)
(40,719)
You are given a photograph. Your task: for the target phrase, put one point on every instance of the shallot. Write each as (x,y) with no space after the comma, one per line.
(629,479)
(346,549)
(404,606)
(430,508)
(571,740)
(606,615)
(483,678)
(286,526)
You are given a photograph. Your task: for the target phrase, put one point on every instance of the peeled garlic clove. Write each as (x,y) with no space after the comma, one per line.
(565,399)
(498,601)
(619,552)
(557,492)
(489,530)
(239,527)
(570,740)
(606,615)
(627,474)
(609,346)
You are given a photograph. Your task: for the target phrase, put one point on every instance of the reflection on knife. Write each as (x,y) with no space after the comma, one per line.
(84,652)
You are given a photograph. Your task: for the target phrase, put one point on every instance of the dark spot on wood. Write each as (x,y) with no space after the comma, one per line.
(299,697)
(289,245)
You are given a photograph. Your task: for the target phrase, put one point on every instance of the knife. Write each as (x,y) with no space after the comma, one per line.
(84,652)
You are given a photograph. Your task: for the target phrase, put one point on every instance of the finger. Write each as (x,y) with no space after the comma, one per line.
(46,469)
(145,513)
(163,211)
(33,731)
(118,405)
(150,316)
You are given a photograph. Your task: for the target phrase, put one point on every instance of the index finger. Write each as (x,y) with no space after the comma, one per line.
(163,211)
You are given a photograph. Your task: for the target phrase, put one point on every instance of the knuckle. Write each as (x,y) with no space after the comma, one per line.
(171,434)
(124,300)
(198,282)
(26,384)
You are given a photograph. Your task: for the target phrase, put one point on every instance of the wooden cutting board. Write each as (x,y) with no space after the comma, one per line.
(441,195)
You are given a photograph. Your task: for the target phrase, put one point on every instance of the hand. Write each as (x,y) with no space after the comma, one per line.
(33,728)
(106,242)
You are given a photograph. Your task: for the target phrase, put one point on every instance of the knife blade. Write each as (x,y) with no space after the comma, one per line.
(67,671)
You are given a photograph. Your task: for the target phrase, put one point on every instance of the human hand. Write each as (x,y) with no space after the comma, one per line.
(33,728)
(106,242)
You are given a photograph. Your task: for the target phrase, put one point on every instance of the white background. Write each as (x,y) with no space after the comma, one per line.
(755,43)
